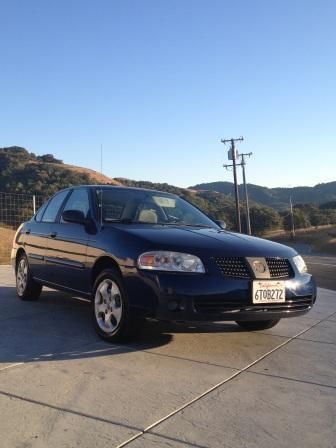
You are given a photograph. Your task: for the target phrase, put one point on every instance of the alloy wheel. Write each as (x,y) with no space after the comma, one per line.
(22,276)
(108,306)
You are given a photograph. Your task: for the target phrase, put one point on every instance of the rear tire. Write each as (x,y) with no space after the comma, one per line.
(113,319)
(257,324)
(26,288)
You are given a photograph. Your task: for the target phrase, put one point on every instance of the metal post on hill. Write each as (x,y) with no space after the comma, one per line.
(232,155)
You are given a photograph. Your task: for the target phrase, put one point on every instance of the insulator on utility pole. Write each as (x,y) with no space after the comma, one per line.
(234,155)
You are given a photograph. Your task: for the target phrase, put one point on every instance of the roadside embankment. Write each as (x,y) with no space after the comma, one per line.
(6,240)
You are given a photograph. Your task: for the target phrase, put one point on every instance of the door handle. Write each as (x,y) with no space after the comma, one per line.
(27,232)
(53,234)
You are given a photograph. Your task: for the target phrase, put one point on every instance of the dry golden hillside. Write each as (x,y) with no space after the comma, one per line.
(6,240)
(95,175)
(321,239)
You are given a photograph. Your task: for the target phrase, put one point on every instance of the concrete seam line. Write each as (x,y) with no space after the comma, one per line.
(181,408)
(286,378)
(11,365)
(65,410)
(180,358)
(318,342)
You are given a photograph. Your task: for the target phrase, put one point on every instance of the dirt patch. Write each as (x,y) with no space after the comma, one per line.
(94,175)
(321,240)
(6,241)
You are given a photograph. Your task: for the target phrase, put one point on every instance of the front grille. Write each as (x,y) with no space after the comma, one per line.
(220,305)
(233,267)
(238,267)
(279,267)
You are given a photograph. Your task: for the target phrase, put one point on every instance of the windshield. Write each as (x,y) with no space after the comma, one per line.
(132,206)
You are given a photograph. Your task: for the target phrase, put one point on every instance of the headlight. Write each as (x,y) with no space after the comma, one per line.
(170,261)
(300,263)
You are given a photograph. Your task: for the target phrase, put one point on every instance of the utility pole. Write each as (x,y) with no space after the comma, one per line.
(292,218)
(232,153)
(243,163)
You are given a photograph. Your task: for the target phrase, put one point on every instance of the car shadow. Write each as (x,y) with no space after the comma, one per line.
(59,327)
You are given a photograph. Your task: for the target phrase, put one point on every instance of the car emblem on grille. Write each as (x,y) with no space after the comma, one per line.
(259,266)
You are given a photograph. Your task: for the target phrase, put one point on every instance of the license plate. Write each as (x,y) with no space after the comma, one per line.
(270,291)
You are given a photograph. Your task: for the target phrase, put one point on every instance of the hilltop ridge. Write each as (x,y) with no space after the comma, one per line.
(277,197)
(25,172)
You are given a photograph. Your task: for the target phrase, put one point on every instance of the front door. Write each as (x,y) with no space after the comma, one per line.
(66,257)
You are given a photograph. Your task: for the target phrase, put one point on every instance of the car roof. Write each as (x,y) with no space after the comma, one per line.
(117,187)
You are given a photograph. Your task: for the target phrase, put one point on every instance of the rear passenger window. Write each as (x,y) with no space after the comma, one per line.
(53,207)
(78,200)
(40,212)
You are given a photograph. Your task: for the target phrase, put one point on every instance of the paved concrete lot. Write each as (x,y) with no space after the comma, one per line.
(176,386)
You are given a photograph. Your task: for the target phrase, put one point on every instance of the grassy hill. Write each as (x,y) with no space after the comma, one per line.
(218,205)
(24,172)
(277,198)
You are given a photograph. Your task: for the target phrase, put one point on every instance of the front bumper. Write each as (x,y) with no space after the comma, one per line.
(194,297)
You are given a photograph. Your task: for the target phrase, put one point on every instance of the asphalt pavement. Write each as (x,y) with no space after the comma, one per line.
(203,386)
(324,270)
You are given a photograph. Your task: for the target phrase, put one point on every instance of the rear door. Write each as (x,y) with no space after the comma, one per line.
(35,241)
(37,234)
(66,257)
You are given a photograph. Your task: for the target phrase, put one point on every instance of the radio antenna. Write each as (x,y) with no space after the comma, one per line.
(101,190)
(101,158)
(101,207)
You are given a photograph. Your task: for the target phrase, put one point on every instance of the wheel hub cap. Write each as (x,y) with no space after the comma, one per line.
(22,276)
(108,306)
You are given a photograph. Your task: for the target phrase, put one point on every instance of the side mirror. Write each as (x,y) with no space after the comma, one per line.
(75,216)
(220,223)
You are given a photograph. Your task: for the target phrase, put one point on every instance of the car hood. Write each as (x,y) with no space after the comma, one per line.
(208,241)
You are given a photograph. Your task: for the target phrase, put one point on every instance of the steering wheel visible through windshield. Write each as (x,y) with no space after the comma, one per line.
(141,206)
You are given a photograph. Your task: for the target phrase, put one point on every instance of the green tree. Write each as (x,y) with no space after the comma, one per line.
(301,219)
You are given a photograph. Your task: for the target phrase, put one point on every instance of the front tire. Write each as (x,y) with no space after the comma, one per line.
(113,319)
(26,288)
(257,324)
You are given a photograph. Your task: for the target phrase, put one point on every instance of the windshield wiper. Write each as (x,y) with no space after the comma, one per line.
(198,225)
(174,224)
(182,224)
(120,221)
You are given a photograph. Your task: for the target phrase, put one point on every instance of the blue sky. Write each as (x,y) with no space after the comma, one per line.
(159,83)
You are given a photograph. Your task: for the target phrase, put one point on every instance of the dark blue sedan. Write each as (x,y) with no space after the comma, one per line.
(140,253)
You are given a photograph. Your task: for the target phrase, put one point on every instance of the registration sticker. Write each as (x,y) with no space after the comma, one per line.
(270,291)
